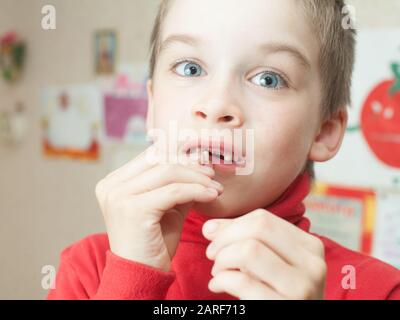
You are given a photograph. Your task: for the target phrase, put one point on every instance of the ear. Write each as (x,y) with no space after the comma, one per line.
(150,107)
(329,138)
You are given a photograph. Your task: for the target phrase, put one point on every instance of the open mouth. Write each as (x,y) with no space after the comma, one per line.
(208,153)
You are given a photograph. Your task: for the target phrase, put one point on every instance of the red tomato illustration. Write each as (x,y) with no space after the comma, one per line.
(380,123)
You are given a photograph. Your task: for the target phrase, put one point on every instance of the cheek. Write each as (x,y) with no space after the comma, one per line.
(171,103)
(284,139)
(168,107)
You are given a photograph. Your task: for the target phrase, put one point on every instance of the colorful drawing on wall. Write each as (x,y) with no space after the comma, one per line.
(370,153)
(12,56)
(345,215)
(131,79)
(125,106)
(71,122)
(380,119)
(105,52)
(125,119)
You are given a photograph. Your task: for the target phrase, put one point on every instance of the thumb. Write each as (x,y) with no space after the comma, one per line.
(171,226)
(212,227)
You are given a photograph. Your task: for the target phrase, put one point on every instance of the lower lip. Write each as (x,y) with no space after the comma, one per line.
(213,163)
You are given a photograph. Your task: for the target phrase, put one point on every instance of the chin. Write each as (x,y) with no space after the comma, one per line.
(217,209)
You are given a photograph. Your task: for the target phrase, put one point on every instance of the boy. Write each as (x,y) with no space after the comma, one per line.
(198,230)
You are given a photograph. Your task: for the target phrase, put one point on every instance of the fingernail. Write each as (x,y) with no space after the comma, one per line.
(211,251)
(210,227)
(207,170)
(212,191)
(211,285)
(216,185)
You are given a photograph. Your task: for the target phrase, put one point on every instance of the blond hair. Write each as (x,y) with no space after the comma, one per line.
(336,56)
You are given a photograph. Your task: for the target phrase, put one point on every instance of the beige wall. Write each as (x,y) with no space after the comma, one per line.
(46,204)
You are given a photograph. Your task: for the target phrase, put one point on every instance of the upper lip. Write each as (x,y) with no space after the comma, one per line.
(221,147)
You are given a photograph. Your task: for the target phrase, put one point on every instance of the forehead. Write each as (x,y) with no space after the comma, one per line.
(237,25)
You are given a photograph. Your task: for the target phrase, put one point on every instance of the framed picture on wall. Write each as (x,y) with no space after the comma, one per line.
(343,214)
(105,51)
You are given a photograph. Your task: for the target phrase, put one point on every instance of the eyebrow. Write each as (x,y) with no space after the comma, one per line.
(275,47)
(179,38)
(269,47)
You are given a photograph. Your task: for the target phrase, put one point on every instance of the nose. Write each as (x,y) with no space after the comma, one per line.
(221,112)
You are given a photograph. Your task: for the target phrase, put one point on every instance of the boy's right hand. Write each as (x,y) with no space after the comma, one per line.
(144,206)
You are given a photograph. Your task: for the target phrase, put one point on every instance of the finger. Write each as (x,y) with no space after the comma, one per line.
(270,221)
(175,194)
(137,165)
(260,262)
(242,286)
(162,175)
(281,237)
(154,155)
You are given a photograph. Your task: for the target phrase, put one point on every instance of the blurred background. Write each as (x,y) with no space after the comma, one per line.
(72,108)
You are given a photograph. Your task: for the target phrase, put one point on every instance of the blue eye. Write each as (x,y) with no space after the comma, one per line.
(270,80)
(188,69)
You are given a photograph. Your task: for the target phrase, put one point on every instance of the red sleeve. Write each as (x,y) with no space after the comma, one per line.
(125,279)
(121,279)
(394,294)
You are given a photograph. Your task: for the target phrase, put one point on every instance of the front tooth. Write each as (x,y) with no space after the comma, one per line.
(228,158)
(194,155)
(205,156)
(238,159)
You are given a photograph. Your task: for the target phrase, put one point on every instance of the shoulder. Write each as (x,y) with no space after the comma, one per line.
(372,278)
(87,253)
(80,268)
(341,256)
(95,244)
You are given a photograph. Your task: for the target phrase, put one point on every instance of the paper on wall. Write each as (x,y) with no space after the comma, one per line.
(387,231)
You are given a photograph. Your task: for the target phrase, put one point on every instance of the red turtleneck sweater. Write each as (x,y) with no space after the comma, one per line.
(89,270)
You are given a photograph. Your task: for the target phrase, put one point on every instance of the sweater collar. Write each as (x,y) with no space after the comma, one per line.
(288,206)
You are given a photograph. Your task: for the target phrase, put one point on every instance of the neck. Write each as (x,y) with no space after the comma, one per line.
(288,206)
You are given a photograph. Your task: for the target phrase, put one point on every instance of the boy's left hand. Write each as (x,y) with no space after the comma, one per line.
(261,256)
